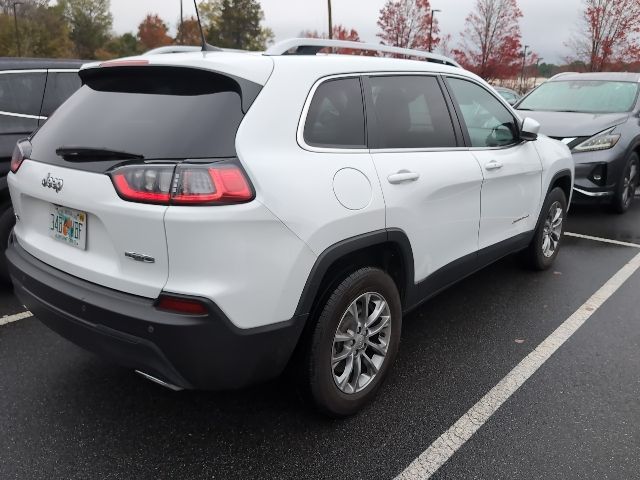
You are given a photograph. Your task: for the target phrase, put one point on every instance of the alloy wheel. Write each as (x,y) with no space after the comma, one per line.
(630,183)
(552,230)
(361,342)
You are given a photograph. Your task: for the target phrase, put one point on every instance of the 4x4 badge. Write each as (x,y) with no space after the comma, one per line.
(53,183)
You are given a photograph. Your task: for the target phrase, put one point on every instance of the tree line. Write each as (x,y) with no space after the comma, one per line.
(83,29)
(490,45)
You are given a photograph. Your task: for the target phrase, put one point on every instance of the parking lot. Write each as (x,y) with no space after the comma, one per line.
(67,414)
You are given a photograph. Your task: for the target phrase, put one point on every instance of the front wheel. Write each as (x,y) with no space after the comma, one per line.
(544,248)
(354,342)
(626,189)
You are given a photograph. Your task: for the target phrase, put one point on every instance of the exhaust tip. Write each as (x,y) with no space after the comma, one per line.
(162,383)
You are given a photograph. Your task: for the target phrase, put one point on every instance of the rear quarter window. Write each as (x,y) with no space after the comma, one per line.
(336,115)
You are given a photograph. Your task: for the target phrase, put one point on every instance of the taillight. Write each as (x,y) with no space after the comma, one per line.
(21,152)
(220,183)
(224,183)
(144,183)
(185,306)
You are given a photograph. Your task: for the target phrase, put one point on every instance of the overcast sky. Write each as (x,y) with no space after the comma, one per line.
(546,25)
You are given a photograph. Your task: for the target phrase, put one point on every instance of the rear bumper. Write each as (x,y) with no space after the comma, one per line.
(194,352)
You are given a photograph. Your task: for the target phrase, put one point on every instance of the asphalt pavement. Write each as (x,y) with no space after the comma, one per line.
(67,414)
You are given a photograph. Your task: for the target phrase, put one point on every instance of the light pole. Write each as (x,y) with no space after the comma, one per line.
(524,61)
(433,12)
(15,19)
(330,20)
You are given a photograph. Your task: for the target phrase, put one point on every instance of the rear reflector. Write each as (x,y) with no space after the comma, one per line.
(180,305)
(220,183)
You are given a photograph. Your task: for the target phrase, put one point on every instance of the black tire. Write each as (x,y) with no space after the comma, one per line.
(7,221)
(626,187)
(534,255)
(318,372)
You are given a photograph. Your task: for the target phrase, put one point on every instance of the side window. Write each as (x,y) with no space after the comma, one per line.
(60,86)
(411,113)
(336,115)
(489,123)
(21,92)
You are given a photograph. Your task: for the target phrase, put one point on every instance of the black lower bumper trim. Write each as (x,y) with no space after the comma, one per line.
(193,352)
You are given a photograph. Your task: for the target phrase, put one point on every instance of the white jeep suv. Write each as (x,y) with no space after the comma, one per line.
(208,218)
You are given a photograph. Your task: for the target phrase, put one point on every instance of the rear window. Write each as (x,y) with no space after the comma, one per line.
(336,115)
(22,92)
(156,112)
(60,86)
(411,112)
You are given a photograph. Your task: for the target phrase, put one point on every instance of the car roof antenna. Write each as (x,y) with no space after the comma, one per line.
(205,46)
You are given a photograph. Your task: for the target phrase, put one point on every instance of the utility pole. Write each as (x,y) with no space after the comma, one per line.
(15,19)
(433,12)
(537,71)
(330,20)
(181,24)
(524,61)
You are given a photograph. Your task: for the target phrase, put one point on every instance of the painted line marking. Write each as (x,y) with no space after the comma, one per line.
(14,318)
(450,441)
(604,240)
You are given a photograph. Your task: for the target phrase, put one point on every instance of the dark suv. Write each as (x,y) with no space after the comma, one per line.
(596,116)
(30,90)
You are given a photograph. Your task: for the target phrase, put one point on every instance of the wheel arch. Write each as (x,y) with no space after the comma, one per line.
(564,180)
(389,250)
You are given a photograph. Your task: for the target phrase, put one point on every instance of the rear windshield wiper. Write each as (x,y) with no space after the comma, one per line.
(79,154)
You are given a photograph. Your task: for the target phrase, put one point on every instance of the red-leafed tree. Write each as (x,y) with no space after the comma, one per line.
(491,42)
(153,33)
(608,34)
(407,24)
(189,32)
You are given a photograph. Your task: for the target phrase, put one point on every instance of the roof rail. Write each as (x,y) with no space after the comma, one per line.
(311,46)
(190,48)
(173,49)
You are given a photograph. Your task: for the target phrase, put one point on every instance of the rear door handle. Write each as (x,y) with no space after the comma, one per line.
(403,176)
(493,165)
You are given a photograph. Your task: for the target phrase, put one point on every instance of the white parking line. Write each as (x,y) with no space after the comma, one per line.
(449,442)
(14,318)
(604,240)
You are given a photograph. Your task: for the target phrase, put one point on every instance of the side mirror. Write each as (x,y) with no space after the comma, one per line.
(529,130)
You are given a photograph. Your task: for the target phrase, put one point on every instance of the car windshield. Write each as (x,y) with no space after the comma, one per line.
(585,96)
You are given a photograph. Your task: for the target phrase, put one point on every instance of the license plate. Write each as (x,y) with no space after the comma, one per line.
(68,226)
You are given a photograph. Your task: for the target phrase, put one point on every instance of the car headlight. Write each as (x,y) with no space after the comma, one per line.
(601,141)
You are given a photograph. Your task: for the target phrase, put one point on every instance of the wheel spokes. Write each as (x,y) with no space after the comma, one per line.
(360,343)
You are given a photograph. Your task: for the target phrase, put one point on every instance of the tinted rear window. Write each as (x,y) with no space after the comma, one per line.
(156,112)
(60,86)
(412,113)
(22,92)
(336,115)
